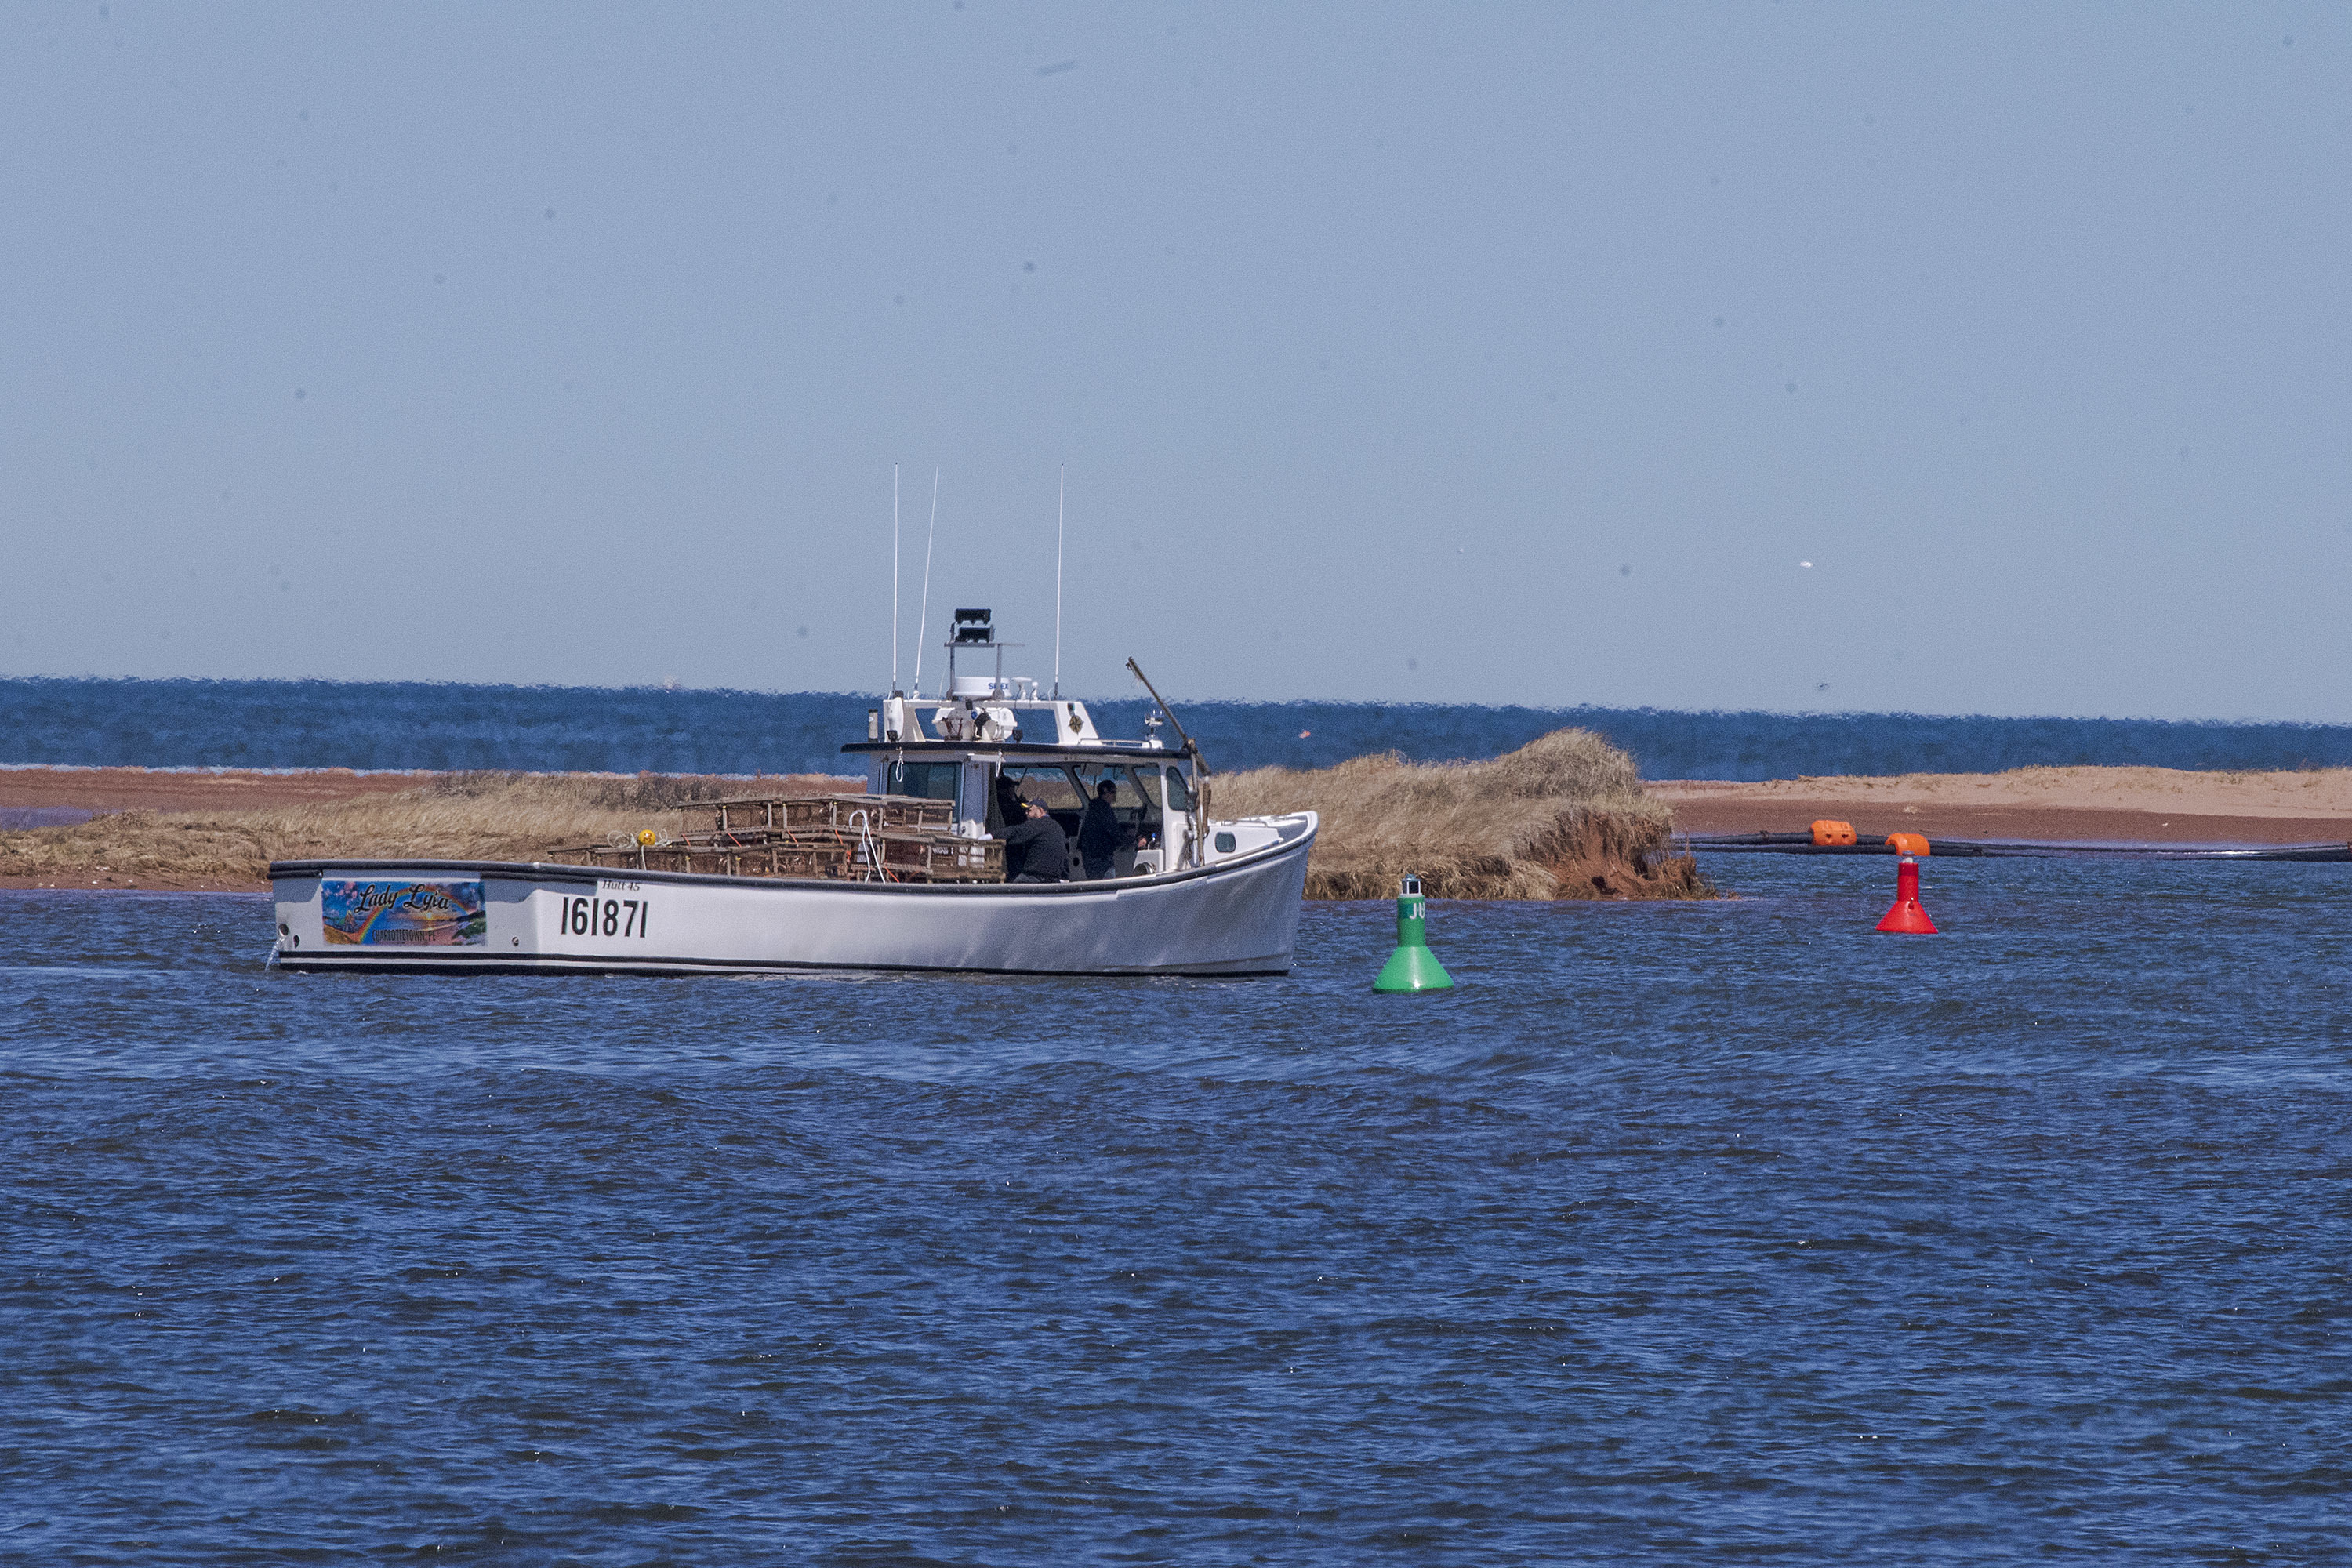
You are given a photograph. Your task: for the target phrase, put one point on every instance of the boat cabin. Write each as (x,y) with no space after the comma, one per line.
(992,744)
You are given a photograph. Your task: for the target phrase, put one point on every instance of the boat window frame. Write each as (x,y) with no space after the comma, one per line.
(1130,784)
(954,770)
(1018,771)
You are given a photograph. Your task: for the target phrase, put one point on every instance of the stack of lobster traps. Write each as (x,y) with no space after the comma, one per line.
(843,837)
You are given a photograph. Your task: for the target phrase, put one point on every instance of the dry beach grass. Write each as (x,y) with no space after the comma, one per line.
(454,816)
(1562,817)
(1540,823)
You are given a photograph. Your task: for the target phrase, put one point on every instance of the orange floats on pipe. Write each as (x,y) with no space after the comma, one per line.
(1908,843)
(1828,832)
(1907,917)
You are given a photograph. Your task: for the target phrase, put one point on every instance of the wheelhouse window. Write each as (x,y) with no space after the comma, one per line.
(1048,786)
(1137,789)
(932,781)
(1051,787)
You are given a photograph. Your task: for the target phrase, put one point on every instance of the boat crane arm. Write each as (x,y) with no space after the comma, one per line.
(1136,670)
(1191,750)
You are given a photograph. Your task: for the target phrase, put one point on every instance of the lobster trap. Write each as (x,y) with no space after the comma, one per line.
(834,837)
(784,812)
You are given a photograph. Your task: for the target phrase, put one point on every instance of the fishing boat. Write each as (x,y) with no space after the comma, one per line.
(907,876)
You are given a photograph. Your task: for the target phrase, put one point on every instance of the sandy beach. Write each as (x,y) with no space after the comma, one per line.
(1560,817)
(2158,805)
(102,790)
(2065,804)
(203,805)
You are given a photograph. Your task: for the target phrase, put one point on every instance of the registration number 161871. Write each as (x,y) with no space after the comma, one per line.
(606,917)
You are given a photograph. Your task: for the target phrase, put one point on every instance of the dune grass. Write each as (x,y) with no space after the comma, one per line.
(458,816)
(1561,818)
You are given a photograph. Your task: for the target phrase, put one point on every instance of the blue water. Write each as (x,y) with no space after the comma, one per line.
(1709,1233)
(313,723)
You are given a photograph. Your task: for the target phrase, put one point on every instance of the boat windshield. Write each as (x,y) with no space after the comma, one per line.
(1048,786)
(1148,782)
(1131,796)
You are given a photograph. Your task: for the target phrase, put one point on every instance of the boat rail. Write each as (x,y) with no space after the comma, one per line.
(829,854)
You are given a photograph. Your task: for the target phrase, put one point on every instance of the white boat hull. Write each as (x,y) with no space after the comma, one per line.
(1235,916)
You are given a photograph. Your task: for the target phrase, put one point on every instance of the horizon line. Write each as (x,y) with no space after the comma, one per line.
(1418,704)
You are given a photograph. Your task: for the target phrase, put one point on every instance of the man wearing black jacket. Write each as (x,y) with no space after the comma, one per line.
(1101,836)
(1037,850)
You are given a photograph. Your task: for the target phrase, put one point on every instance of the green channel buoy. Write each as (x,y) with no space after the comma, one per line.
(1413,967)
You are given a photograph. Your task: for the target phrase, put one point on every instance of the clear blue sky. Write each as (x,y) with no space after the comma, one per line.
(1460,353)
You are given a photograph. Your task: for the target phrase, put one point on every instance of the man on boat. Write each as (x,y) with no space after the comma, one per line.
(1037,850)
(1100,834)
(1009,803)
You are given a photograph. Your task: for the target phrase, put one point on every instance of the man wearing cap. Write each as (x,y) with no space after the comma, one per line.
(1037,850)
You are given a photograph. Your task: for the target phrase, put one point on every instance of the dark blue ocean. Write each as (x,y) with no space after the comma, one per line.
(313,723)
(1724,1231)
(1680,1234)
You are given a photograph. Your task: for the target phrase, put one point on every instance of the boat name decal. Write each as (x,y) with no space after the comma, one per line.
(434,914)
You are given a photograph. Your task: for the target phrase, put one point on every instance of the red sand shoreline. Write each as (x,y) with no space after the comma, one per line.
(102,790)
(2127,805)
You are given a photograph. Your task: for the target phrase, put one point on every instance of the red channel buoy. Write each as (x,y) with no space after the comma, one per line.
(1907,917)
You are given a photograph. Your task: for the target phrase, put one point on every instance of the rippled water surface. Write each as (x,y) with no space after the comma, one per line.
(545,728)
(1679,1234)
